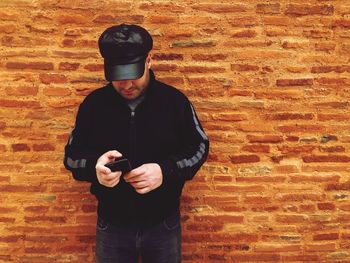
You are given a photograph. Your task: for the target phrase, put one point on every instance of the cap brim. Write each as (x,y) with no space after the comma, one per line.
(124,72)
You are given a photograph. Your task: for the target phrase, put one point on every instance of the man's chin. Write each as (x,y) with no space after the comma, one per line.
(130,96)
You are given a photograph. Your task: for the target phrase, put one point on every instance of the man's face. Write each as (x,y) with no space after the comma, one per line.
(131,89)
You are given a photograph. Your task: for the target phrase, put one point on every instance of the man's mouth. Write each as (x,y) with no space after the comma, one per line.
(129,91)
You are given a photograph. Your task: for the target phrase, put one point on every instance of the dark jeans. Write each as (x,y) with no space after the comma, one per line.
(118,243)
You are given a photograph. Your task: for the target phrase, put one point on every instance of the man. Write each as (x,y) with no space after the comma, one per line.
(155,127)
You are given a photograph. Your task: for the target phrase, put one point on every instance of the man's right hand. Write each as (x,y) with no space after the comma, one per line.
(104,175)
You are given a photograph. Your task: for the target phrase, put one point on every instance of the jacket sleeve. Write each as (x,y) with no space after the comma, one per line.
(193,151)
(80,158)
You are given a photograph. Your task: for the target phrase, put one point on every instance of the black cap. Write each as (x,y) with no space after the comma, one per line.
(124,49)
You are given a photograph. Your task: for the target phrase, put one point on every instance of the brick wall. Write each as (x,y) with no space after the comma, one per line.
(270,81)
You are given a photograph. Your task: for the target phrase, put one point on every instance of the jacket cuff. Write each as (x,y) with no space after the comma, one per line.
(168,170)
(91,170)
(87,173)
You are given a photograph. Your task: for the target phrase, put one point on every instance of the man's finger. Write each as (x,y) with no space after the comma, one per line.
(113,154)
(139,184)
(132,178)
(134,173)
(144,190)
(102,169)
(111,176)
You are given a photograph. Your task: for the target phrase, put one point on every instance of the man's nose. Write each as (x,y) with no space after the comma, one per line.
(126,84)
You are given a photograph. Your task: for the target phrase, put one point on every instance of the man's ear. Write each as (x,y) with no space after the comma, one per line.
(149,61)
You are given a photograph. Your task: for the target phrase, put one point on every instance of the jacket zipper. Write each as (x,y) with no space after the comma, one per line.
(132,137)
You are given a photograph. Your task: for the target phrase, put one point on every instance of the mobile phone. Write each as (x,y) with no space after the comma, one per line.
(120,164)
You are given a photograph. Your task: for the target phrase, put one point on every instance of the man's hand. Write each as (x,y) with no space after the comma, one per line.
(145,178)
(104,175)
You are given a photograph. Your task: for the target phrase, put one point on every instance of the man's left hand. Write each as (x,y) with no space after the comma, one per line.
(145,178)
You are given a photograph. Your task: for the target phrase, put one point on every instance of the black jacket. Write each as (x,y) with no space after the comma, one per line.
(164,129)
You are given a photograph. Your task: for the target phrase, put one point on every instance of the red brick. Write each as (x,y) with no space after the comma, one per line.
(338,187)
(295,45)
(261,179)
(21,188)
(217,257)
(9,15)
(221,8)
(205,227)
(296,197)
(232,117)
(7,219)
(286,169)
(244,159)
(164,7)
(73,19)
(326,206)
(315,178)
(290,116)
(235,237)
(245,34)
(52,91)
(8,28)
(86,239)
(256,148)
(326,158)
(22,91)
(94,67)
(88,208)
(277,248)
(174,56)
(239,188)
(327,47)
(301,258)
(332,81)
(43,219)
(43,147)
(68,66)
(163,19)
(202,69)
(219,219)
(332,149)
(30,65)
(300,128)
(256,257)
(327,69)
(193,43)
(321,237)
(333,117)
(244,21)
(278,95)
(36,209)
(11,239)
(342,23)
(52,78)
(194,238)
(276,21)
(284,149)
(165,67)
(244,67)
(294,82)
(37,250)
(268,8)
(344,207)
(291,219)
(20,147)
(74,55)
(304,9)
(209,57)
(265,139)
